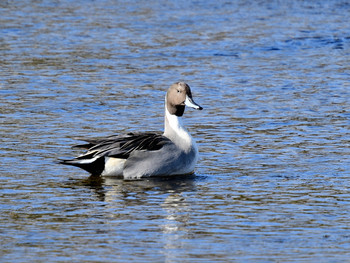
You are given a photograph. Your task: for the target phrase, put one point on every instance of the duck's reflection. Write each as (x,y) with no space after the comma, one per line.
(156,204)
(110,189)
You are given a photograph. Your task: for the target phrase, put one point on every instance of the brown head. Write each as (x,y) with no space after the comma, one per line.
(178,96)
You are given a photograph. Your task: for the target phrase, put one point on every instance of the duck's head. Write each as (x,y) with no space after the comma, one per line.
(178,96)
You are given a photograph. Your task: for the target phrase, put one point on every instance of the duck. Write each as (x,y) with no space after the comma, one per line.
(145,154)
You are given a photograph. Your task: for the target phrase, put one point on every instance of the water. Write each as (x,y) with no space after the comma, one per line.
(272,181)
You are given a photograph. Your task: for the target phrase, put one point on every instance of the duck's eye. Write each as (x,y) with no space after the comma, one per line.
(178,91)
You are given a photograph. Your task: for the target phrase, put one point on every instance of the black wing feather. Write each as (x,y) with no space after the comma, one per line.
(121,146)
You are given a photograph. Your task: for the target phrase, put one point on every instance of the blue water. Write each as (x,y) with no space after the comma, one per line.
(271,184)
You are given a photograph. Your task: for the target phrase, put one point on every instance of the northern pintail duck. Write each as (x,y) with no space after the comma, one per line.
(137,155)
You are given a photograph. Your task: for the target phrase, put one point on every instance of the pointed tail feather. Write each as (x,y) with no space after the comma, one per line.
(94,166)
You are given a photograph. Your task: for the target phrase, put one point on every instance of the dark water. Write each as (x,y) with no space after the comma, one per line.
(272,184)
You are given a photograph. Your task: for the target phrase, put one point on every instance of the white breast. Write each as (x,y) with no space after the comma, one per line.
(175,131)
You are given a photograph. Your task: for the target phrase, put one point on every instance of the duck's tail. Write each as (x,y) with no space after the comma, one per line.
(94,166)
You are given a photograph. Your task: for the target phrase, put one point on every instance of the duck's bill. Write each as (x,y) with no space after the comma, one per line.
(190,103)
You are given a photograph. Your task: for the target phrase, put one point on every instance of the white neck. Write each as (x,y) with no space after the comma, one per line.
(174,130)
